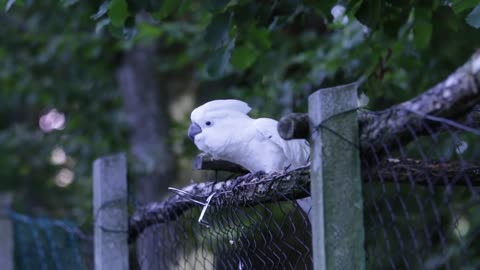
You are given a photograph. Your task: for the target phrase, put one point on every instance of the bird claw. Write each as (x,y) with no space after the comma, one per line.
(257,174)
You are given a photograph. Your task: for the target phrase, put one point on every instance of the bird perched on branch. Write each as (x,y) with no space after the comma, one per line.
(223,129)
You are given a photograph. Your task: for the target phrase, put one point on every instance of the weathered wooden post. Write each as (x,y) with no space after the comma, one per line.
(110,213)
(338,233)
(7,256)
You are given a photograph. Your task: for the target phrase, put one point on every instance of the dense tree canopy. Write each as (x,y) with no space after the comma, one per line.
(58,60)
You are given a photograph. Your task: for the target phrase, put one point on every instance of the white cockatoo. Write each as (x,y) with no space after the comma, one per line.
(223,129)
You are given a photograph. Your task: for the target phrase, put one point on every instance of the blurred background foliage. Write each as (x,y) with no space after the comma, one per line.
(61,107)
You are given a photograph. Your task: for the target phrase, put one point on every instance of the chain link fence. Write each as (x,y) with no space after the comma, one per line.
(420,172)
(422,205)
(421,211)
(274,235)
(47,244)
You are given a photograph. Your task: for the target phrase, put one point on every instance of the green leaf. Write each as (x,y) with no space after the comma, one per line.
(148,31)
(9,5)
(151,5)
(461,5)
(68,3)
(102,10)
(11,2)
(216,5)
(445,18)
(129,29)
(243,57)
(422,27)
(218,63)
(115,31)
(118,12)
(168,8)
(422,33)
(473,18)
(217,32)
(324,6)
(185,7)
(397,13)
(369,13)
(101,24)
(260,37)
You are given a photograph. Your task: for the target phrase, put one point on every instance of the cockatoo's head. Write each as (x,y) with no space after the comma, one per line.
(215,123)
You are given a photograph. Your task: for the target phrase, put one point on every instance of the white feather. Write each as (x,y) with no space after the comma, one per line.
(220,105)
(253,143)
(229,133)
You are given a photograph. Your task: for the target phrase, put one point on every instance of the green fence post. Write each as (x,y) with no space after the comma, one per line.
(110,212)
(337,223)
(7,256)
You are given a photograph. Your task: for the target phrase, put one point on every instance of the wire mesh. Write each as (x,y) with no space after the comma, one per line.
(421,211)
(275,235)
(421,203)
(44,244)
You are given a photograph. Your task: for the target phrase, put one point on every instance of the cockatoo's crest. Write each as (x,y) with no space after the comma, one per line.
(221,105)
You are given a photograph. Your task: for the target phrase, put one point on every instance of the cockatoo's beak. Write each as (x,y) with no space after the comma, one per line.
(193,130)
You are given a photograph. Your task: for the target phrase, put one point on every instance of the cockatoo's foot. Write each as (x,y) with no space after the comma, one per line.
(257,174)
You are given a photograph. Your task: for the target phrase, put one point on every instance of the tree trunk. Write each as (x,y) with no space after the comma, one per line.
(146,112)
(152,161)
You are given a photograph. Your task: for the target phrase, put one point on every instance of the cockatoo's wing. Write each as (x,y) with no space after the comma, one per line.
(297,152)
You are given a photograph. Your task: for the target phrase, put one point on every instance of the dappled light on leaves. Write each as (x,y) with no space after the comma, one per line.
(53,120)
(64,178)
(462,227)
(58,156)
(60,60)
(338,13)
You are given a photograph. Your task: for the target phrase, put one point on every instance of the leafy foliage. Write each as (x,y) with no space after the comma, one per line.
(64,54)
(58,63)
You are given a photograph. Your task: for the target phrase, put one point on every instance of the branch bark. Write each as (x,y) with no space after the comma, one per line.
(421,172)
(247,190)
(455,98)
(254,189)
(207,162)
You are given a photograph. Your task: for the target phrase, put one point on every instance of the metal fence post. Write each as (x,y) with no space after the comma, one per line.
(7,256)
(110,212)
(338,232)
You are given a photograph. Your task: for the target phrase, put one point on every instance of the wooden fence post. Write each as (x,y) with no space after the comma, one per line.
(110,213)
(337,225)
(7,256)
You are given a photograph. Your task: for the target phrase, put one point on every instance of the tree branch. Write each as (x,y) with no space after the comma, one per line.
(455,98)
(294,126)
(421,172)
(247,190)
(207,162)
(254,189)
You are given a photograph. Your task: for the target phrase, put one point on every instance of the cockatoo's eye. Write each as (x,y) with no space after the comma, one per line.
(208,123)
